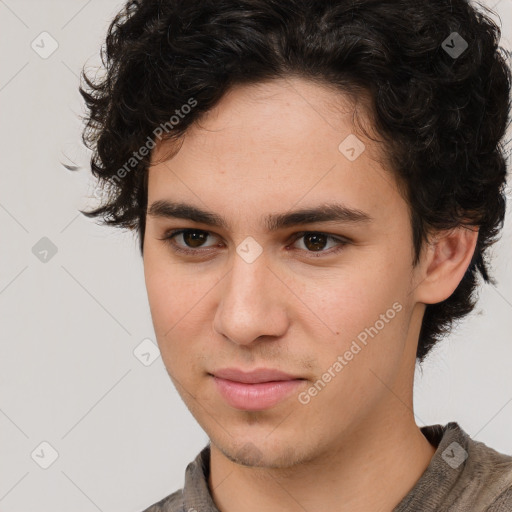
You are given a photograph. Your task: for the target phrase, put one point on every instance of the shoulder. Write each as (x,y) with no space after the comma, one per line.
(172,503)
(503,503)
(195,491)
(490,473)
(465,474)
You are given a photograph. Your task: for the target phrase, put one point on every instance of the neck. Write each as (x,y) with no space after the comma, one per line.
(371,468)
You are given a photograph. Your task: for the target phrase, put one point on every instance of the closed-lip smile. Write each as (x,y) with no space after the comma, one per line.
(254,376)
(255,390)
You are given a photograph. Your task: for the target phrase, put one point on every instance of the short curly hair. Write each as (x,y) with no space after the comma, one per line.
(442,115)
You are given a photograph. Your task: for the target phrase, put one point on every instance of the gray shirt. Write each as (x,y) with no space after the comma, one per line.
(463,476)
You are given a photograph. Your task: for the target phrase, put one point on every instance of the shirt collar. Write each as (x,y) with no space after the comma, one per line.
(196,493)
(449,440)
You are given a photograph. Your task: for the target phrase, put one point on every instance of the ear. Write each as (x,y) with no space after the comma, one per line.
(443,264)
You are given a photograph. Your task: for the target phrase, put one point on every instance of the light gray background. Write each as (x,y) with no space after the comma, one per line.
(70,325)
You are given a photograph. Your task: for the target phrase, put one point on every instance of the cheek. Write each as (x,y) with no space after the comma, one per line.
(349,298)
(169,303)
(362,312)
(364,347)
(178,300)
(168,294)
(170,287)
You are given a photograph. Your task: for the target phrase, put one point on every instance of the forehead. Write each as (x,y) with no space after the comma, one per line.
(276,143)
(280,116)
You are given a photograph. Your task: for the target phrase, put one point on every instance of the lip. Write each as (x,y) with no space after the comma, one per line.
(255,390)
(254,376)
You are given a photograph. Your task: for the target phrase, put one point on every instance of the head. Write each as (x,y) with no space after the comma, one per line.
(341,177)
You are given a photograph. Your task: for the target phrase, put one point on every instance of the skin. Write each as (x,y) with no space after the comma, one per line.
(270,148)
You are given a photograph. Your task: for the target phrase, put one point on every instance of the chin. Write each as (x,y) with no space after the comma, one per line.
(261,454)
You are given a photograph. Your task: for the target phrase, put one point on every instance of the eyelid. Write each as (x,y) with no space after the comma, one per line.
(169,237)
(332,236)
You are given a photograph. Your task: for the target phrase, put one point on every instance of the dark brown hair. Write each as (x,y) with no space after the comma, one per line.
(443,116)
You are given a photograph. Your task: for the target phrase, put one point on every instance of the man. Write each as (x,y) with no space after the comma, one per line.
(315,185)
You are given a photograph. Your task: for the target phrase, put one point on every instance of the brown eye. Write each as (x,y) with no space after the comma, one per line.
(189,241)
(315,241)
(194,238)
(192,242)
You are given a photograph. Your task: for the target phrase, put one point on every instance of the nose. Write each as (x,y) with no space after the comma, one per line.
(251,303)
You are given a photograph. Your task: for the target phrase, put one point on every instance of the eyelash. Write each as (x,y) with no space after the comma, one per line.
(169,240)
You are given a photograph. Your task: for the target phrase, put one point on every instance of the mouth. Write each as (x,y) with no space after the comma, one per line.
(256,390)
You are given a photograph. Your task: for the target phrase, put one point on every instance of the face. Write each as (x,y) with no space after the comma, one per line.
(327,299)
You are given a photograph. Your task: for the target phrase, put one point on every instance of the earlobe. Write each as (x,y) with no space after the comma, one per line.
(445,261)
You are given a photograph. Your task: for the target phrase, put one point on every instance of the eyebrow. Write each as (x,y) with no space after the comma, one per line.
(323,213)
